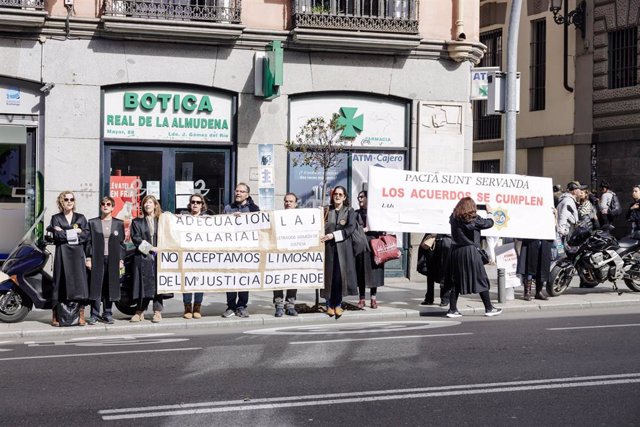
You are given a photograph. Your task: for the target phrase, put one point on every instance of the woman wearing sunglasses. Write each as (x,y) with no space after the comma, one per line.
(105,259)
(197,206)
(339,266)
(70,232)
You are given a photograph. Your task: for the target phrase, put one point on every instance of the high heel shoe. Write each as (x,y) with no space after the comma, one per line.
(361,303)
(374,303)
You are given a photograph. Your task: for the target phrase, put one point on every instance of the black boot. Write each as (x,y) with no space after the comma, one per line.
(540,293)
(527,290)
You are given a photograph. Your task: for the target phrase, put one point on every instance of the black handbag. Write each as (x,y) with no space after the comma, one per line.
(68,313)
(484,255)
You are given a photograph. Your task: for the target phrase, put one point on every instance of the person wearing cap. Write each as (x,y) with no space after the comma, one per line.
(568,207)
(557,193)
(605,203)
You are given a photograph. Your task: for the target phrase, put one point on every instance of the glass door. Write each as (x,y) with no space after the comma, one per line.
(171,174)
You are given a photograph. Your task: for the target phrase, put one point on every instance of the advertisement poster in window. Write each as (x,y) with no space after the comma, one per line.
(306,182)
(125,190)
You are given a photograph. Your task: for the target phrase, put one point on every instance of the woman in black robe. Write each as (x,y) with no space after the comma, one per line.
(370,274)
(70,232)
(467,271)
(534,265)
(105,259)
(144,235)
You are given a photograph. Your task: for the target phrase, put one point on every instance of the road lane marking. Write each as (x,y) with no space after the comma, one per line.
(363,396)
(355,327)
(594,327)
(379,338)
(108,353)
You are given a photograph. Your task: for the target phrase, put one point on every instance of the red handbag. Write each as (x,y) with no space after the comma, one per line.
(384,248)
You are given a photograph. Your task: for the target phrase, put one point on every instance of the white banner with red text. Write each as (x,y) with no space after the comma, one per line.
(241,252)
(422,202)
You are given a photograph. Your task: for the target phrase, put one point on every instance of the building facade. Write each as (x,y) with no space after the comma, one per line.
(164,97)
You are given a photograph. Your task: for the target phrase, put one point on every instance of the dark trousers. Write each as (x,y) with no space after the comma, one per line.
(431,292)
(335,299)
(108,305)
(157,303)
(279,298)
(236,300)
(197,298)
(362,291)
(484,296)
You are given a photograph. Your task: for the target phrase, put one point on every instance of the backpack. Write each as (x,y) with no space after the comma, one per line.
(614,207)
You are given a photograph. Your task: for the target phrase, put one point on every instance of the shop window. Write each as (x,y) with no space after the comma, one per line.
(537,66)
(623,58)
(12,172)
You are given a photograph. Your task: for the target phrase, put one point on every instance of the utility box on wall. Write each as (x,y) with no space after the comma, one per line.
(497,98)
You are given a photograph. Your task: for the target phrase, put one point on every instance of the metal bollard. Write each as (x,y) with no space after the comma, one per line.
(502,291)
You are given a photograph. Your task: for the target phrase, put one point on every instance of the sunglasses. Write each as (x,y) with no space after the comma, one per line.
(69,200)
(196,202)
(362,197)
(105,203)
(338,194)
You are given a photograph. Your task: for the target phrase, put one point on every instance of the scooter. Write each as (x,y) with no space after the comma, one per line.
(30,285)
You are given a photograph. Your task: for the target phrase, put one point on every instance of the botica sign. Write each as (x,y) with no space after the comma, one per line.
(160,114)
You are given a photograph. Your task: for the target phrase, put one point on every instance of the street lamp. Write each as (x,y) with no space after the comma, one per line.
(575,17)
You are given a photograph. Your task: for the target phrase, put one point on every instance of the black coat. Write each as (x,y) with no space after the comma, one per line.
(467,271)
(95,251)
(144,266)
(370,274)
(633,216)
(535,259)
(69,268)
(340,253)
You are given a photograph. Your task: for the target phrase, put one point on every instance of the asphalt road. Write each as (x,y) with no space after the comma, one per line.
(551,369)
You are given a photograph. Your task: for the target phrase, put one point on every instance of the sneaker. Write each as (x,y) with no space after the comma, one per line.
(92,320)
(493,312)
(242,312)
(444,303)
(138,317)
(157,317)
(452,314)
(279,312)
(108,320)
(291,311)
(228,313)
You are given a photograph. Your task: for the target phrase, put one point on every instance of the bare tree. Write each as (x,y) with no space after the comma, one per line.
(320,143)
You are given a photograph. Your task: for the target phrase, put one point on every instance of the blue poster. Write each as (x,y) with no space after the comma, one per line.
(306,182)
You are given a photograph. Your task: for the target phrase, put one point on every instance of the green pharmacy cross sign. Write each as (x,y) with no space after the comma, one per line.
(351,125)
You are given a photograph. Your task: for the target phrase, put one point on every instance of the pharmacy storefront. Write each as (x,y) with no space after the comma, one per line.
(168,142)
(378,128)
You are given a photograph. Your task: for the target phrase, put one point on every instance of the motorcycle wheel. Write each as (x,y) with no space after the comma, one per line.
(633,284)
(559,280)
(15,309)
(126,307)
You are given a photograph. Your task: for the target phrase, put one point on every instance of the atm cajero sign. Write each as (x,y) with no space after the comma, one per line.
(160,114)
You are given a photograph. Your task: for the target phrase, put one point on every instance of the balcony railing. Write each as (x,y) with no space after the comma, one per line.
(23,4)
(227,11)
(393,16)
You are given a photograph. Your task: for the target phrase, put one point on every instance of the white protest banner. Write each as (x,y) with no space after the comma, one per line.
(507,258)
(420,202)
(249,251)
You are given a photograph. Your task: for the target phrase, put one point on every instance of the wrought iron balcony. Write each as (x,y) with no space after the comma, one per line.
(23,4)
(227,11)
(392,16)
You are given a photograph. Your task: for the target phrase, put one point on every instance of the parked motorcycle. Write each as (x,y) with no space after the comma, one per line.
(30,285)
(596,257)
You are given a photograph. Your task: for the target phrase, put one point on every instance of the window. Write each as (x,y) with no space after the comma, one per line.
(486,166)
(623,58)
(485,126)
(537,73)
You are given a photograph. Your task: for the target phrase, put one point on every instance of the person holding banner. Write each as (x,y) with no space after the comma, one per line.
(70,232)
(237,301)
(197,206)
(468,275)
(290,202)
(144,235)
(370,275)
(339,266)
(105,259)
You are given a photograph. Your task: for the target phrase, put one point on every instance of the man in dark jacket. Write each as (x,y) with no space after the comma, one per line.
(237,301)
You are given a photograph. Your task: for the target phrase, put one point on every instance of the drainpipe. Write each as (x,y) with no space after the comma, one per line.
(459,35)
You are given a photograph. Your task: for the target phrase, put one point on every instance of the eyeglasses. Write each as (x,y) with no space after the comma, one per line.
(105,203)
(196,202)
(362,197)
(338,195)
(69,200)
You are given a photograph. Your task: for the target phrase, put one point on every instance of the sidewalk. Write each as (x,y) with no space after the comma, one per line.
(399,299)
